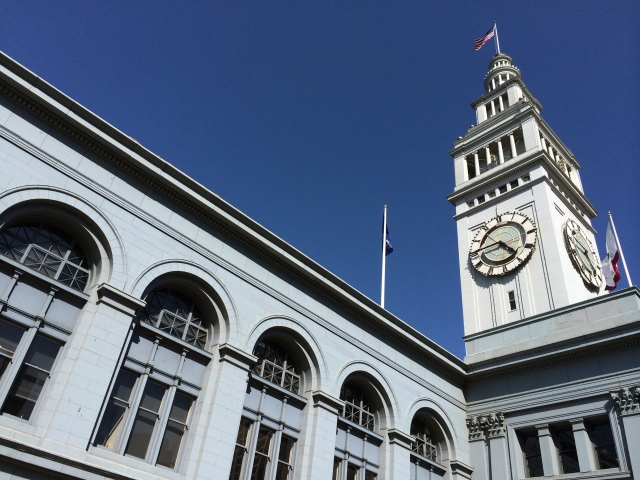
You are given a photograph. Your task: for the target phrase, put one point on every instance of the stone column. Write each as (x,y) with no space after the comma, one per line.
(627,402)
(500,154)
(399,449)
(498,451)
(548,451)
(476,163)
(584,448)
(512,142)
(215,436)
(320,441)
(100,337)
(478,447)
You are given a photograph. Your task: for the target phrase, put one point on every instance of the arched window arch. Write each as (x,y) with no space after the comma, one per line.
(429,457)
(175,314)
(272,416)
(47,250)
(357,407)
(36,259)
(358,445)
(276,365)
(153,396)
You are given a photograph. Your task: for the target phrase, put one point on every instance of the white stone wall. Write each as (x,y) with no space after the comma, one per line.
(142,235)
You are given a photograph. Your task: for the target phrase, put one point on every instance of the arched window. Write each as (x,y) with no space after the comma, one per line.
(356,407)
(357,451)
(48,251)
(175,314)
(422,443)
(428,448)
(272,417)
(275,365)
(152,399)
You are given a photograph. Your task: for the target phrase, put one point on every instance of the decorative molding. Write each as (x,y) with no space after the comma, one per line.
(119,300)
(328,402)
(460,470)
(627,400)
(400,438)
(482,427)
(237,357)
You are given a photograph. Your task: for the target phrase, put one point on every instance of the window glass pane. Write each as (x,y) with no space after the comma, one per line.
(260,463)
(118,405)
(264,440)
(530,444)
(141,434)
(286,449)
(352,472)
(34,373)
(176,427)
(567,450)
(605,448)
(145,420)
(236,464)
(10,336)
(370,476)
(336,468)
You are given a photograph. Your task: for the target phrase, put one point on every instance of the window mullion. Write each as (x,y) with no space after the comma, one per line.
(161,425)
(17,360)
(252,444)
(130,416)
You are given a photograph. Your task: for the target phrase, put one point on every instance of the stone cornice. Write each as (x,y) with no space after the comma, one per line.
(627,400)
(89,131)
(462,470)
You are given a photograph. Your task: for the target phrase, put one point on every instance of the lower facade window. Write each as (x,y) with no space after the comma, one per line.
(344,470)
(27,357)
(530,444)
(145,419)
(601,437)
(257,446)
(566,445)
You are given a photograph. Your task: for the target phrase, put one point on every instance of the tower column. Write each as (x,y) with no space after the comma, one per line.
(487,155)
(476,163)
(500,154)
(512,141)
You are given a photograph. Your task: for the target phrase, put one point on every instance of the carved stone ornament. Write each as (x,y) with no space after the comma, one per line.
(486,426)
(627,400)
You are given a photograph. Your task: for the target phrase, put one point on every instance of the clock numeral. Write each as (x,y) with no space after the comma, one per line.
(531,231)
(505,269)
(528,245)
(490,272)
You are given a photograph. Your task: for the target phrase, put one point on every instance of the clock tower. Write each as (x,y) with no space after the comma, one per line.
(525,241)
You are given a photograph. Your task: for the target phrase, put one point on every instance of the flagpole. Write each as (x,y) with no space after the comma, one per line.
(384,252)
(495,29)
(624,264)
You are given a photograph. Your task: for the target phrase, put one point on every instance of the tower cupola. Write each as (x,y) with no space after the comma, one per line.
(501,69)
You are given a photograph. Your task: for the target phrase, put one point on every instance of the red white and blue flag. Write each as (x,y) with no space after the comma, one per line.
(484,39)
(610,262)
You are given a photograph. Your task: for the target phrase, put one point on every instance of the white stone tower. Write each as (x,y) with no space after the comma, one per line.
(525,239)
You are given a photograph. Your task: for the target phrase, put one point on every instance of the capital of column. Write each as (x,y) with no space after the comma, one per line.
(486,426)
(400,438)
(118,300)
(328,402)
(237,357)
(627,400)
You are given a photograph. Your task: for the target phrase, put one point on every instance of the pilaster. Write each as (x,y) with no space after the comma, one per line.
(488,446)
(627,402)
(548,451)
(584,448)
(399,449)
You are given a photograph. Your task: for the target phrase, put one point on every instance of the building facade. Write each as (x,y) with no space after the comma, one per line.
(149,330)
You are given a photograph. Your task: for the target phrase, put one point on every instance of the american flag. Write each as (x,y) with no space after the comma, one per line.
(484,39)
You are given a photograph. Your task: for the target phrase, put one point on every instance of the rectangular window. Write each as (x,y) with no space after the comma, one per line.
(480,199)
(336,468)
(352,472)
(10,336)
(513,183)
(530,444)
(146,419)
(512,300)
(370,475)
(502,189)
(175,430)
(263,448)
(118,405)
(32,376)
(566,445)
(240,450)
(285,458)
(602,440)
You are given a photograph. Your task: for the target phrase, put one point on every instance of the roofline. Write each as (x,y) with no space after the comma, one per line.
(45,100)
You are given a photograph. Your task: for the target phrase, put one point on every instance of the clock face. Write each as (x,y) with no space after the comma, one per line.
(582,253)
(503,244)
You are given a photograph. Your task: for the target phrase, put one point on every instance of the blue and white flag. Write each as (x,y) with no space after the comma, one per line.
(388,248)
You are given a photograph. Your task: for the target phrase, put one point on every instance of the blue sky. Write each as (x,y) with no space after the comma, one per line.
(310,116)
